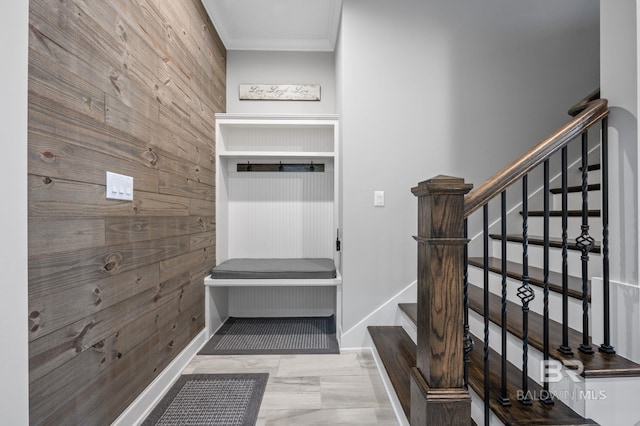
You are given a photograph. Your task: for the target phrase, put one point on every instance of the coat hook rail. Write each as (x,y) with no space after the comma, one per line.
(280,167)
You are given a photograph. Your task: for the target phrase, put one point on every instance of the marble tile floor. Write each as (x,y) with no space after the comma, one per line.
(344,389)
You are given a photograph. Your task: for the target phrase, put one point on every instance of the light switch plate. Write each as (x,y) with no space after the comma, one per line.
(378,198)
(119,187)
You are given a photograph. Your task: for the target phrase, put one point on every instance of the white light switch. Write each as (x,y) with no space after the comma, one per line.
(119,187)
(378,198)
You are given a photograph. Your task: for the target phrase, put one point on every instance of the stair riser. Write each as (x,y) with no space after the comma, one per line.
(535,358)
(407,324)
(575,174)
(476,277)
(388,386)
(574,200)
(477,411)
(536,227)
(514,254)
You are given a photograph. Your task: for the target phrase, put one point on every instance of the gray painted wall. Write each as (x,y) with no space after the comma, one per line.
(428,88)
(620,50)
(263,67)
(619,69)
(14,393)
(458,88)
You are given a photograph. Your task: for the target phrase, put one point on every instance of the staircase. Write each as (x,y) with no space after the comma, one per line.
(522,333)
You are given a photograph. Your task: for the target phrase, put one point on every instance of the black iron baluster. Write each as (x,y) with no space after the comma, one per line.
(604,183)
(585,242)
(546,397)
(485,227)
(503,398)
(468,341)
(525,293)
(564,348)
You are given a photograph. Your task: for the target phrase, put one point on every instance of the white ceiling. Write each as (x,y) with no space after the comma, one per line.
(305,25)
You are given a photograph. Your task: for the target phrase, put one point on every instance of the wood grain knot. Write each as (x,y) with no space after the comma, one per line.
(122,32)
(34,314)
(114,82)
(77,342)
(47,180)
(99,345)
(48,156)
(112,262)
(151,156)
(119,355)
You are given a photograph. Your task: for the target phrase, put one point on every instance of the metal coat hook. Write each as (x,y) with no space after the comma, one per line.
(279,167)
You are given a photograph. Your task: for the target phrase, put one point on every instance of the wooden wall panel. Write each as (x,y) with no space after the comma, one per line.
(115,287)
(50,120)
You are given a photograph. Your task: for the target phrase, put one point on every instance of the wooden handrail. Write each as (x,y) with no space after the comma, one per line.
(584,102)
(592,112)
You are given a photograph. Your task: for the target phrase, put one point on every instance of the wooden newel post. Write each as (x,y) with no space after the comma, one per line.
(438,396)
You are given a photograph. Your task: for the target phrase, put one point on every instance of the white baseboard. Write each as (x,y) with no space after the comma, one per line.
(385,314)
(144,403)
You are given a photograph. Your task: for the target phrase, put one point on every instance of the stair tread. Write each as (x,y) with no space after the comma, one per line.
(538,241)
(398,354)
(541,414)
(558,213)
(576,188)
(536,275)
(591,167)
(597,365)
(411,309)
(517,413)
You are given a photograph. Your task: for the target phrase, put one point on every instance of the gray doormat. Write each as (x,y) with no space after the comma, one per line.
(255,336)
(211,399)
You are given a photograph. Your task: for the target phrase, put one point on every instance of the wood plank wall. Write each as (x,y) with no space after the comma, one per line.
(116,287)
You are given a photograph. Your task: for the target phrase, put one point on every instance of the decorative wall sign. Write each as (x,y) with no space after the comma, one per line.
(280,92)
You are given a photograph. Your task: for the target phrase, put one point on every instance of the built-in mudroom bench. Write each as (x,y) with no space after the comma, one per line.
(277,221)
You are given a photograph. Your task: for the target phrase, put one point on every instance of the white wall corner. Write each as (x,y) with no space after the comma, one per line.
(14,369)
(385,314)
(625,317)
(612,400)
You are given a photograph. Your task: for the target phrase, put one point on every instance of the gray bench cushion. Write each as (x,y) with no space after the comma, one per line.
(306,268)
